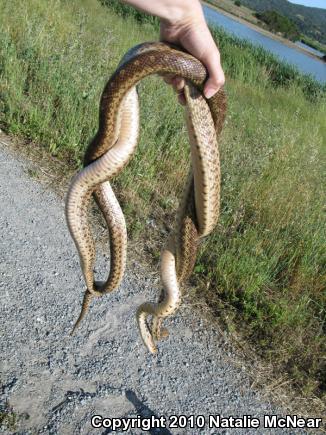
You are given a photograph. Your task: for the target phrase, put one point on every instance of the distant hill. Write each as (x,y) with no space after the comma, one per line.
(310,21)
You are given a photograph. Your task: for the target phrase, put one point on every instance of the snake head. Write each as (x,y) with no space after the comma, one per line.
(142,313)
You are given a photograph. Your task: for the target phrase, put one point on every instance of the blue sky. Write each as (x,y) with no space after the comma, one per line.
(312,3)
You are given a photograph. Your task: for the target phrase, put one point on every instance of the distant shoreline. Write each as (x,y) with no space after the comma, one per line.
(263,31)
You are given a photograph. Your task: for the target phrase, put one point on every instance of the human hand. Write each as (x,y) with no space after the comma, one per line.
(192,33)
(183,23)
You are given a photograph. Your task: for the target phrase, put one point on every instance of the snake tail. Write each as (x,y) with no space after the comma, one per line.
(88,296)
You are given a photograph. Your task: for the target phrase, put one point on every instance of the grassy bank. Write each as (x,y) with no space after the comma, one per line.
(314,44)
(264,265)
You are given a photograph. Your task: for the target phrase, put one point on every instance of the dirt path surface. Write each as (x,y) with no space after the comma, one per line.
(52,383)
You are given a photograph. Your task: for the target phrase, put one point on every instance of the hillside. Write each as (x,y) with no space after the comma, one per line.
(310,21)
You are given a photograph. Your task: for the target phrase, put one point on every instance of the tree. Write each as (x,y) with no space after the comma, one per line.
(278,23)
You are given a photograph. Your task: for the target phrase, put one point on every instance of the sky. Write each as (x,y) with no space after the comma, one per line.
(312,3)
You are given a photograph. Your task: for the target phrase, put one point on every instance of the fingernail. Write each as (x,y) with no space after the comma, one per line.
(210,92)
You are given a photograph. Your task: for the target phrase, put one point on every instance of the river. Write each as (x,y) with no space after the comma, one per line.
(305,63)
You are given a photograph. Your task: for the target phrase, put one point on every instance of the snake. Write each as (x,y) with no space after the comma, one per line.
(109,152)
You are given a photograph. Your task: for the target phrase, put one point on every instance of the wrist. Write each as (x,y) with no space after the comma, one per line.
(183,22)
(182,13)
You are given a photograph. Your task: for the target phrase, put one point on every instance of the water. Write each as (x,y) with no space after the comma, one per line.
(305,63)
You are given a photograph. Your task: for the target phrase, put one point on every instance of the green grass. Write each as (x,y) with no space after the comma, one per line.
(314,44)
(265,263)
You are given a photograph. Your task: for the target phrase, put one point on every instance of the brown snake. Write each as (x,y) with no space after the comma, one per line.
(110,151)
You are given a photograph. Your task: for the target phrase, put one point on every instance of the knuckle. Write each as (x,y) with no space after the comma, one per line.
(221,82)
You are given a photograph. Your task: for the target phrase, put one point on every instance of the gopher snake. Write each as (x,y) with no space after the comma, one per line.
(110,151)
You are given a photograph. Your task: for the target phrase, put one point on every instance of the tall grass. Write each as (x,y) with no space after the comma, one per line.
(266,261)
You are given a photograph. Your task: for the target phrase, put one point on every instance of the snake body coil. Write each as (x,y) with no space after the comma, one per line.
(110,151)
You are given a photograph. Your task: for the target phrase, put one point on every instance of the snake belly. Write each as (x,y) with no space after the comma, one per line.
(110,151)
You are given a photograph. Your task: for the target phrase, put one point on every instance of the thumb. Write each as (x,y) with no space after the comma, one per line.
(216,78)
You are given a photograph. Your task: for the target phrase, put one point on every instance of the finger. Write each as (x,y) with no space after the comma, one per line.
(216,78)
(178,83)
(175,81)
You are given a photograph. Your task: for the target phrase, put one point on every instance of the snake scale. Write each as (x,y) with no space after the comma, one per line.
(110,151)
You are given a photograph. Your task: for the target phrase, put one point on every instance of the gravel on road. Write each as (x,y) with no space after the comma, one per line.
(52,383)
